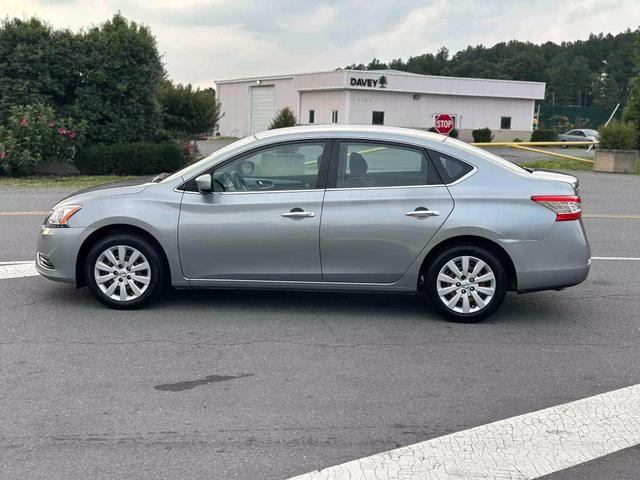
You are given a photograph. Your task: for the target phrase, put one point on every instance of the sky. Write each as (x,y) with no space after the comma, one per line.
(206,40)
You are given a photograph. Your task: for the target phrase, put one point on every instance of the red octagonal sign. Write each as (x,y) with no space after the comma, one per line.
(445,123)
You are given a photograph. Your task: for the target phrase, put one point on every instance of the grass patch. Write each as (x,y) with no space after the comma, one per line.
(224,137)
(559,165)
(80,181)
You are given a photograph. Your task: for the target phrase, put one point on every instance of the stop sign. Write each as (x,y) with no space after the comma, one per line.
(445,123)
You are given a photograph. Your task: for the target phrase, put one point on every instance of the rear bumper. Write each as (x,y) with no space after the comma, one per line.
(561,259)
(57,252)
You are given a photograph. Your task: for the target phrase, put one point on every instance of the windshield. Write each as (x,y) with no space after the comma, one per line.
(592,133)
(192,169)
(489,156)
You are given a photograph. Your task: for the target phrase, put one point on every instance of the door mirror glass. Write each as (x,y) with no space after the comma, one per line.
(204,183)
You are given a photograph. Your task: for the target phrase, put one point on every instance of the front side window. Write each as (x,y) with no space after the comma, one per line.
(505,123)
(363,164)
(377,118)
(282,167)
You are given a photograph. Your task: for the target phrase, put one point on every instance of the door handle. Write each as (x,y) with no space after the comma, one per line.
(297,213)
(265,184)
(422,212)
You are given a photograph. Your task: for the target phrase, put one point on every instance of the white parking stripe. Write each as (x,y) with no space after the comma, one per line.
(17,269)
(629,259)
(524,447)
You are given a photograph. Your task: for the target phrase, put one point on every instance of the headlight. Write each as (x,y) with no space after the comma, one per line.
(61,215)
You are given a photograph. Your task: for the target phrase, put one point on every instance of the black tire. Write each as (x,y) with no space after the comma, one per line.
(486,256)
(157,271)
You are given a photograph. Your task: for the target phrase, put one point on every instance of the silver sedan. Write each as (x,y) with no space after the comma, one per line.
(580,135)
(327,208)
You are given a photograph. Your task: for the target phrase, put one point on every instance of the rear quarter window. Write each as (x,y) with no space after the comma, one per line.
(450,169)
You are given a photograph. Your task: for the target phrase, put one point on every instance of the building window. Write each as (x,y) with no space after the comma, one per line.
(505,123)
(334,116)
(312,116)
(377,118)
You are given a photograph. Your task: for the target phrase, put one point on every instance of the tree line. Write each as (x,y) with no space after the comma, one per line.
(107,84)
(593,72)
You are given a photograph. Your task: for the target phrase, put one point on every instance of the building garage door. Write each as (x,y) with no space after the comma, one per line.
(263,103)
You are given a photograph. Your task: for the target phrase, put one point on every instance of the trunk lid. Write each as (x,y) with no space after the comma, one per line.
(557,176)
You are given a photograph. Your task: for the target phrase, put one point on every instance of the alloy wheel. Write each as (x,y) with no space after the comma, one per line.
(122,273)
(466,284)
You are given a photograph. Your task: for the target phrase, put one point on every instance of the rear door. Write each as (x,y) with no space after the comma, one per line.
(384,204)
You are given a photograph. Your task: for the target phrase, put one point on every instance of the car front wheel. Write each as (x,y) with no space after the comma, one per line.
(124,271)
(466,283)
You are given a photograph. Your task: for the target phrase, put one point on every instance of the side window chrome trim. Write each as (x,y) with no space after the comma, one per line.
(258,192)
(394,187)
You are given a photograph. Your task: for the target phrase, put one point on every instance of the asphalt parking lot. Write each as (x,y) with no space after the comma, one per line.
(264,385)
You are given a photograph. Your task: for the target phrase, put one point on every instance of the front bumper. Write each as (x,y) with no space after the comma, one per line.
(57,252)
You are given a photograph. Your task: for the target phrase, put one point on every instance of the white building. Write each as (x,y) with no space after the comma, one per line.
(389,97)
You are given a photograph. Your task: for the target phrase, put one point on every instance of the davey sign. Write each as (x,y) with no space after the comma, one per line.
(444,123)
(369,82)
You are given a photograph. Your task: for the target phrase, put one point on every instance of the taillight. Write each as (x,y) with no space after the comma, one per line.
(566,207)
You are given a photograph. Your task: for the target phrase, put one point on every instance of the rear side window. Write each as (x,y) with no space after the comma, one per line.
(450,169)
(363,164)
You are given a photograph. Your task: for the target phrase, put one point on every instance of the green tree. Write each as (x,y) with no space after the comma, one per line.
(568,68)
(188,112)
(632,110)
(606,92)
(37,64)
(284,118)
(121,77)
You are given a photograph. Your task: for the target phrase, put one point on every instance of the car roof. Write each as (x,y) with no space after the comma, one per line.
(366,131)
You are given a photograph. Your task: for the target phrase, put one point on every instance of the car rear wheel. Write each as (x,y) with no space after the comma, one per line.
(466,283)
(124,271)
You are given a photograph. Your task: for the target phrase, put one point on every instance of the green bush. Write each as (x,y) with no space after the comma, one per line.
(131,158)
(544,135)
(284,118)
(33,135)
(482,135)
(618,136)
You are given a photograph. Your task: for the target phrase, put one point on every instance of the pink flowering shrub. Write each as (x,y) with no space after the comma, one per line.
(191,151)
(33,135)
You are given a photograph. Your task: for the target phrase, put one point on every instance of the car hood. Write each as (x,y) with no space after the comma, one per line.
(125,187)
(557,176)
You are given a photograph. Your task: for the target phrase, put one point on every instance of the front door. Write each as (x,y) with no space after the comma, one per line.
(386,204)
(261,222)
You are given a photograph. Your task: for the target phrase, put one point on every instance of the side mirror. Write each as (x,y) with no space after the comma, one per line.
(203,183)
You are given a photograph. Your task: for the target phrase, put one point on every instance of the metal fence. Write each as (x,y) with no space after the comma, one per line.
(563,118)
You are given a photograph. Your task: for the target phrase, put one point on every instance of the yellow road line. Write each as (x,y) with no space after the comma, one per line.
(552,154)
(612,215)
(531,144)
(23,214)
